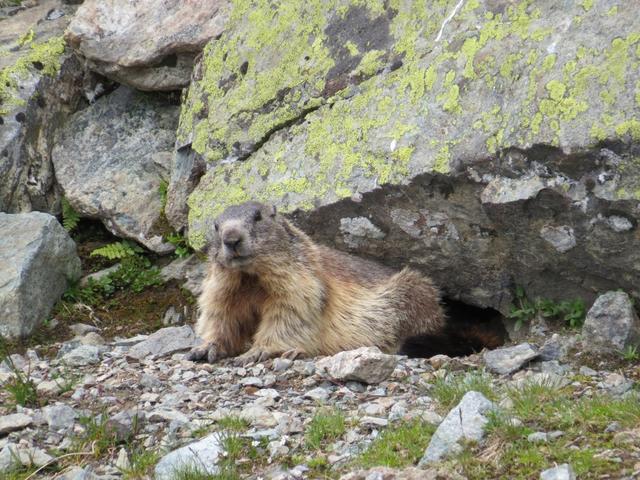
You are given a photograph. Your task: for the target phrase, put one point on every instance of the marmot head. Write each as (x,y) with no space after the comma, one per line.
(246,235)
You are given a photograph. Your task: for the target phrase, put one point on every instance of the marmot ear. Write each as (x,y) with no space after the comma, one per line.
(273,211)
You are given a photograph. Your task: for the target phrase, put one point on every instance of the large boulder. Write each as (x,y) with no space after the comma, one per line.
(37,258)
(147,44)
(41,83)
(611,324)
(110,160)
(496,140)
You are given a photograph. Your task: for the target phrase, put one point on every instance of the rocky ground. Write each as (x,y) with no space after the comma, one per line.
(124,408)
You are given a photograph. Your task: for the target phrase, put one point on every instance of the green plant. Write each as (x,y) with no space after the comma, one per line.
(183,249)
(571,311)
(630,353)
(398,446)
(448,391)
(20,387)
(141,461)
(324,426)
(118,250)
(70,217)
(524,311)
(162,190)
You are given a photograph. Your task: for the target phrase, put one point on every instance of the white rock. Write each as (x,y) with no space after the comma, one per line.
(561,472)
(59,417)
(509,359)
(14,422)
(82,355)
(366,364)
(164,342)
(202,456)
(611,324)
(466,421)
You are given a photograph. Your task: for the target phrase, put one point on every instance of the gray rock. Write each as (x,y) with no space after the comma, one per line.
(95,276)
(441,151)
(611,324)
(82,355)
(48,388)
(164,342)
(77,473)
(191,270)
(80,329)
(466,421)
(149,45)
(281,364)
(125,423)
(13,422)
(201,456)
(37,258)
(318,394)
(59,417)
(12,456)
(561,472)
(366,364)
(509,359)
(172,317)
(45,87)
(110,160)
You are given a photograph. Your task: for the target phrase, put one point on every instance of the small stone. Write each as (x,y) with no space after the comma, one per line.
(561,237)
(80,329)
(588,372)
(611,324)
(59,417)
(91,338)
(82,355)
(281,364)
(613,427)
(150,381)
(366,364)
(374,422)
(201,456)
(258,416)
(172,317)
(466,421)
(122,462)
(561,472)
(14,422)
(164,342)
(439,361)
(537,437)
(168,416)
(509,359)
(251,382)
(48,388)
(318,394)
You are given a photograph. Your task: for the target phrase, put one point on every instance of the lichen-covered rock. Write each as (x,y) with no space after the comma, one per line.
(471,136)
(611,324)
(110,160)
(37,258)
(40,85)
(148,44)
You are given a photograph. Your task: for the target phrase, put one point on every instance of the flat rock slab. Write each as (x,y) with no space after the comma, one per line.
(110,160)
(466,421)
(508,360)
(13,422)
(201,456)
(611,324)
(82,355)
(164,342)
(366,364)
(147,44)
(37,257)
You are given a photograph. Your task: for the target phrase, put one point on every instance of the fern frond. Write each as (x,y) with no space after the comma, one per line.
(70,217)
(117,250)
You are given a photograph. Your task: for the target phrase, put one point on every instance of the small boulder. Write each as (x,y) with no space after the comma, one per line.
(201,456)
(82,355)
(164,342)
(466,421)
(14,422)
(509,359)
(561,472)
(37,258)
(366,364)
(611,324)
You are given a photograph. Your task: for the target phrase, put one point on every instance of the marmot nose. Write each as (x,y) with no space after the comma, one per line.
(232,240)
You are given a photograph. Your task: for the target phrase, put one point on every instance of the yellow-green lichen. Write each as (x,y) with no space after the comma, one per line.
(352,47)
(46,55)
(371,62)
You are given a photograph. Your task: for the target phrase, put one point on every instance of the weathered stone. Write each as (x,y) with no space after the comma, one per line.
(40,85)
(561,238)
(611,324)
(59,417)
(13,456)
(366,364)
(110,160)
(191,270)
(149,44)
(124,424)
(509,359)
(13,422)
(82,355)
(201,456)
(405,117)
(164,342)
(561,472)
(466,421)
(37,258)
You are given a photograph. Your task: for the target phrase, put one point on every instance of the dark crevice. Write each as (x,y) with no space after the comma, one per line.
(468,330)
(249,150)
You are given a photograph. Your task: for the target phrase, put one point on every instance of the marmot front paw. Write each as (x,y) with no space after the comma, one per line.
(207,352)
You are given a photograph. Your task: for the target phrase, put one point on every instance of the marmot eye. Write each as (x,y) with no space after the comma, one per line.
(257,216)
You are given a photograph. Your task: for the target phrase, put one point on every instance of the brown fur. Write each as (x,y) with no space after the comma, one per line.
(270,286)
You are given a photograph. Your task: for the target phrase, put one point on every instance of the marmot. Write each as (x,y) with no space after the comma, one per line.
(270,289)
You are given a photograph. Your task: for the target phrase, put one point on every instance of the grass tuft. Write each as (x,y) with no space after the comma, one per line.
(325,426)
